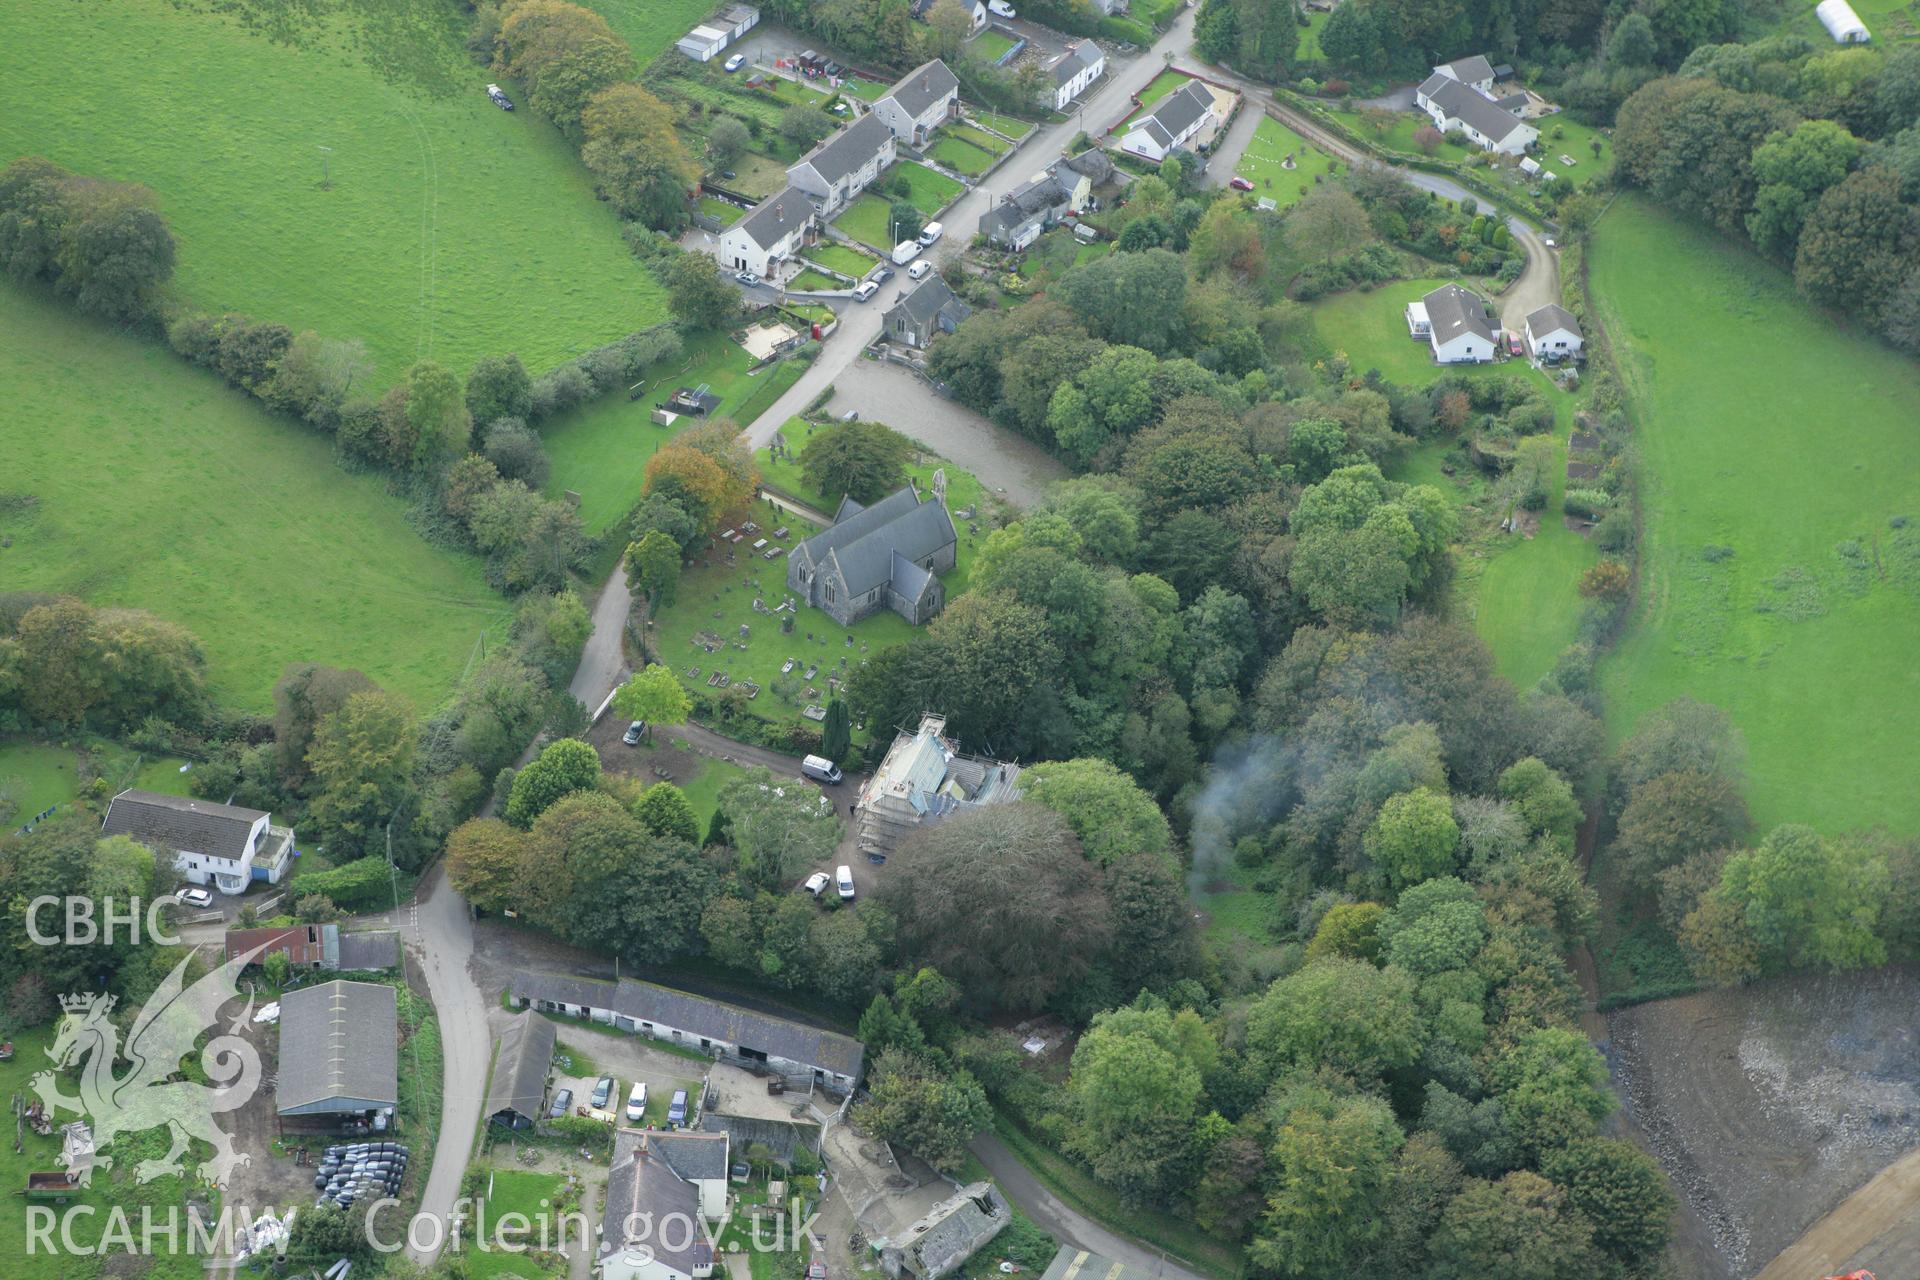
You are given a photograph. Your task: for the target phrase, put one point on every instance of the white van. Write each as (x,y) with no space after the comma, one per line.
(821,769)
(843,881)
(906,251)
(637,1102)
(930,233)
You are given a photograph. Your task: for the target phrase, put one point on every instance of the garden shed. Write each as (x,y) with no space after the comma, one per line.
(1841,22)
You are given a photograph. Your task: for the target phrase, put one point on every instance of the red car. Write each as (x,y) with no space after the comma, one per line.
(1239,183)
(1513,345)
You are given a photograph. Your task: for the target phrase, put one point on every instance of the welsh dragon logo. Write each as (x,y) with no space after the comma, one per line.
(150,1095)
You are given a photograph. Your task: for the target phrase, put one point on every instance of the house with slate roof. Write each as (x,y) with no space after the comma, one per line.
(319,946)
(828,1058)
(1453,321)
(776,230)
(923,100)
(843,166)
(339,1050)
(1073,72)
(650,1228)
(1172,124)
(1017,218)
(886,556)
(522,1065)
(951,1232)
(1553,333)
(925,314)
(221,845)
(923,780)
(1460,99)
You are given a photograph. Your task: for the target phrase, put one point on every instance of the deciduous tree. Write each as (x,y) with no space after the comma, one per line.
(653,694)
(483,862)
(635,155)
(560,769)
(862,460)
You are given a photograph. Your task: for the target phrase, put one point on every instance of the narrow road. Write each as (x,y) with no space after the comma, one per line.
(1537,286)
(1064,1222)
(441,930)
(1875,1228)
(602,662)
(1227,154)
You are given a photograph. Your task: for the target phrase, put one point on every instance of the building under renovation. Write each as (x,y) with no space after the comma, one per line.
(923,780)
(952,1231)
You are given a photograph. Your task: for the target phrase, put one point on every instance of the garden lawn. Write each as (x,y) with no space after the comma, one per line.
(1262,163)
(961,156)
(163,489)
(838,257)
(722,211)
(1007,126)
(868,218)
(451,229)
(600,450)
(865,90)
(703,793)
(1576,140)
(1162,85)
(651,26)
(1310,35)
(1520,592)
(930,192)
(1765,429)
(34,777)
(811,281)
(990,45)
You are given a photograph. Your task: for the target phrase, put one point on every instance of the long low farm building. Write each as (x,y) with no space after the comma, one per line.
(339,1051)
(828,1058)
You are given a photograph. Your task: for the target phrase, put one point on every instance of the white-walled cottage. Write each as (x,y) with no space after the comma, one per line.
(834,173)
(1454,323)
(772,233)
(221,845)
(923,100)
(1553,333)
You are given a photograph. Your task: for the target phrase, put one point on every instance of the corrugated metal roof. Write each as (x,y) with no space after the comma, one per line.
(520,1068)
(339,1048)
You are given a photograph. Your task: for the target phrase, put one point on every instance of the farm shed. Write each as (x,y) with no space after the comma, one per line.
(339,1049)
(1841,22)
(518,1092)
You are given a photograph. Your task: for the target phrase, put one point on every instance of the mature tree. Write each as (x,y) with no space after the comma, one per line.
(113,249)
(1435,926)
(1414,838)
(658,511)
(804,124)
(498,388)
(315,376)
(1225,238)
(633,151)
(1146,896)
(653,568)
(665,810)
(904,220)
(1683,736)
(483,862)
(1108,811)
(1543,800)
(931,1112)
(726,141)
(1332,1160)
(564,54)
(1807,901)
(437,410)
(639,894)
(836,731)
(362,765)
(1351,930)
(1000,900)
(560,769)
(1691,143)
(862,460)
(1257,38)
(698,295)
(306,694)
(531,542)
(779,826)
(696,481)
(1858,243)
(1110,398)
(1133,298)
(1620,1190)
(1342,1013)
(1553,1087)
(949,23)
(1519,1228)
(1328,223)
(1136,1080)
(653,694)
(1673,817)
(1794,169)
(1632,43)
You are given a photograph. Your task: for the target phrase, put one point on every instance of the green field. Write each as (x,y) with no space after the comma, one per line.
(1519,591)
(1263,163)
(866,219)
(651,26)
(838,257)
(600,450)
(161,488)
(1767,431)
(450,229)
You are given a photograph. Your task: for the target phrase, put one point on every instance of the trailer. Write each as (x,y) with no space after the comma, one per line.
(58,1187)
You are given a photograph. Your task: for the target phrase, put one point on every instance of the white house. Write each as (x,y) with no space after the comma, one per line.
(1459,98)
(924,99)
(843,166)
(221,845)
(772,233)
(659,1188)
(1172,124)
(1841,22)
(827,1058)
(718,31)
(1454,322)
(1074,71)
(1553,333)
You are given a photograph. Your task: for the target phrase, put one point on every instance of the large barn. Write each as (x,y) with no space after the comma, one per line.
(339,1050)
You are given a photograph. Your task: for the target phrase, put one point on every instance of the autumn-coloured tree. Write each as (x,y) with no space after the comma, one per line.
(1608,581)
(564,54)
(636,157)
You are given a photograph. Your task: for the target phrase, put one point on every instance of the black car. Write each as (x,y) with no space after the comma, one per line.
(883,275)
(602,1093)
(561,1102)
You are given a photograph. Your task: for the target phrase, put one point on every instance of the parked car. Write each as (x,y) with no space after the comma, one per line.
(817,883)
(862,292)
(1001,9)
(919,270)
(851,415)
(883,275)
(637,1102)
(500,99)
(602,1093)
(843,881)
(562,1103)
(746,277)
(821,769)
(633,734)
(1239,183)
(736,62)
(677,1109)
(1513,345)
(196,898)
(930,233)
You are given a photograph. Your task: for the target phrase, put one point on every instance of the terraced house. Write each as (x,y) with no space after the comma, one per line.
(924,99)
(839,169)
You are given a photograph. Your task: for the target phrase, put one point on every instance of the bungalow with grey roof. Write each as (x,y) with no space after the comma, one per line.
(886,556)
(1172,124)
(1454,322)
(925,314)
(924,99)
(772,233)
(1553,333)
(1459,98)
(843,166)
